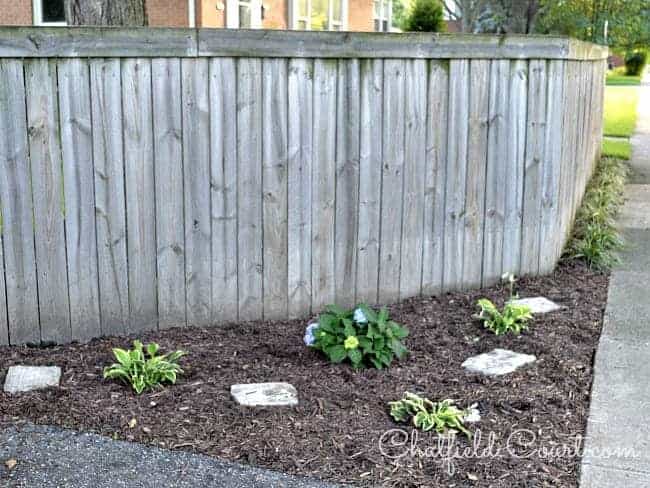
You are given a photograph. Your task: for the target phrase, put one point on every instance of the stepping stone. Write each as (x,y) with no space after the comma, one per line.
(265,395)
(497,362)
(538,304)
(28,378)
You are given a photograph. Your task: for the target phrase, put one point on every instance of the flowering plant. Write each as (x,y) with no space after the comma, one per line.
(362,336)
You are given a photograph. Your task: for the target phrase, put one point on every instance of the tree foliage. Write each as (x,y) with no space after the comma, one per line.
(628,21)
(425,16)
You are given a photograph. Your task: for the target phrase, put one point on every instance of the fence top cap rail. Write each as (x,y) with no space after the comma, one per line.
(65,42)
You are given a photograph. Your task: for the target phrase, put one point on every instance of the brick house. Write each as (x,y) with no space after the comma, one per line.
(352,15)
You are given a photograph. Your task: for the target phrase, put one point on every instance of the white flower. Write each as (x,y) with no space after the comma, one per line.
(309,334)
(360,317)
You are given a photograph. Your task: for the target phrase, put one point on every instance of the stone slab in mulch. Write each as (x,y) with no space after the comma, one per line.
(538,305)
(497,362)
(27,378)
(335,432)
(265,395)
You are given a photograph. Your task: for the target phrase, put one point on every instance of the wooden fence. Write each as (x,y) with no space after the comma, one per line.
(152,178)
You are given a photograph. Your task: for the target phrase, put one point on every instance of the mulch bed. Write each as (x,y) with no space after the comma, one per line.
(335,432)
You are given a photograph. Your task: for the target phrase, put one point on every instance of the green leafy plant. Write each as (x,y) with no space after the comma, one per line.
(425,16)
(596,239)
(442,416)
(514,317)
(362,336)
(143,368)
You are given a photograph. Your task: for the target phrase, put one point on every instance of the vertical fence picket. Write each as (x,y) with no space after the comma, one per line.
(323,183)
(78,182)
(392,180)
(196,184)
(249,188)
(435,176)
(274,178)
(168,164)
(415,151)
(299,224)
(16,202)
(140,193)
(223,160)
(47,196)
(110,209)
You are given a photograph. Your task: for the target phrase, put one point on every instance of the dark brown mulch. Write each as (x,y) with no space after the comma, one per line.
(334,434)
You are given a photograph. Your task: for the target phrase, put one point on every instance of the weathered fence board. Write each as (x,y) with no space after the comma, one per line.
(535,163)
(435,177)
(140,193)
(274,178)
(415,146)
(47,198)
(370,169)
(474,219)
(323,184)
(223,186)
(497,154)
(110,209)
(79,190)
(168,164)
(249,188)
(347,182)
(392,180)
(216,176)
(15,188)
(196,189)
(301,147)
(454,230)
(513,182)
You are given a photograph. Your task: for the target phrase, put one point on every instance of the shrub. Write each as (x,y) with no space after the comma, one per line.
(362,336)
(134,368)
(596,239)
(635,61)
(514,317)
(425,16)
(426,415)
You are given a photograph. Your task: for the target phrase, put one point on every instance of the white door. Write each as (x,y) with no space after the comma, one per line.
(244,14)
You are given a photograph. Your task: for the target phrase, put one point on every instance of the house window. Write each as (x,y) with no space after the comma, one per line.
(244,14)
(383,15)
(49,12)
(319,14)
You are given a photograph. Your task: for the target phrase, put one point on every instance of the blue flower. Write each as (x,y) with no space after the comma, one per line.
(360,317)
(309,334)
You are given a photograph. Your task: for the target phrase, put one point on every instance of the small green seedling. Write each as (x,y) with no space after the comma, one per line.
(514,317)
(142,372)
(442,416)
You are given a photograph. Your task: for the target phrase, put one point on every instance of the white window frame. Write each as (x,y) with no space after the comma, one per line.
(386,16)
(232,13)
(37,8)
(295,19)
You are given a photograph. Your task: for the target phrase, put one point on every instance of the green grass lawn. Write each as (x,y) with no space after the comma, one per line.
(617,76)
(617,148)
(620,110)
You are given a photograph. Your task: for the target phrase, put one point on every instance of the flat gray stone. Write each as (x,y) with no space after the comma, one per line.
(265,394)
(28,378)
(497,362)
(538,304)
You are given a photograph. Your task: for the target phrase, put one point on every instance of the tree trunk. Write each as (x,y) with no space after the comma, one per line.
(106,12)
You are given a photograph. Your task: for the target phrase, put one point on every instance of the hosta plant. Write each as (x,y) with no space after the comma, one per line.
(442,416)
(362,336)
(143,368)
(513,318)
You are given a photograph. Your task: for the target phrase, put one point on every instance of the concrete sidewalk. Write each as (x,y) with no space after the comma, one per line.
(617,447)
(49,457)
